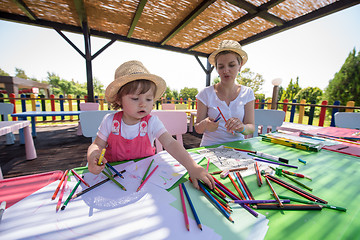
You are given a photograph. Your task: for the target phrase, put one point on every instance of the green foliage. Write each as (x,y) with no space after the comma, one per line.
(309,94)
(187,93)
(260,96)
(345,84)
(291,90)
(247,78)
(3,73)
(20,73)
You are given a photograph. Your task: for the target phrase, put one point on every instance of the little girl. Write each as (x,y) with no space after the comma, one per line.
(130,133)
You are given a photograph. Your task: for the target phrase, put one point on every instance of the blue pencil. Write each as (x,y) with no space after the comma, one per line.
(112,168)
(215,202)
(192,207)
(241,186)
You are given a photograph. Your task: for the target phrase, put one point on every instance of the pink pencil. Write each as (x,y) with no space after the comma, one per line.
(207,167)
(186,218)
(142,184)
(62,193)
(80,178)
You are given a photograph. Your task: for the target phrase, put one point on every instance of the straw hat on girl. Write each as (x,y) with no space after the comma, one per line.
(131,71)
(229,45)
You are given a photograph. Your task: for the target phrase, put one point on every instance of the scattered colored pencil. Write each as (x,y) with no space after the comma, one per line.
(258,175)
(259,201)
(207,166)
(227,215)
(59,185)
(246,196)
(147,171)
(70,196)
(186,218)
(272,162)
(230,170)
(147,178)
(248,192)
(288,206)
(274,193)
(192,206)
(113,179)
(62,193)
(236,187)
(271,157)
(311,202)
(80,178)
(238,149)
(101,157)
(296,181)
(116,171)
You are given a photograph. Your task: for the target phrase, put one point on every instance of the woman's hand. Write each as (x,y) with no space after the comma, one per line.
(211,125)
(234,124)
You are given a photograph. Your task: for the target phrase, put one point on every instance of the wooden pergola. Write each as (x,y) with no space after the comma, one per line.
(193,27)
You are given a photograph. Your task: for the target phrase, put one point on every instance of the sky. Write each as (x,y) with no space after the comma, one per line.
(314,52)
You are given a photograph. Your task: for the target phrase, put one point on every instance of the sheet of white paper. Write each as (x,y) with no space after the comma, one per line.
(106,212)
(168,172)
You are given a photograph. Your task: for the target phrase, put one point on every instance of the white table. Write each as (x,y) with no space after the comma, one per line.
(12,126)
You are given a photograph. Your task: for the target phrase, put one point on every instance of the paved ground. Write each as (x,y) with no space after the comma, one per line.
(58,148)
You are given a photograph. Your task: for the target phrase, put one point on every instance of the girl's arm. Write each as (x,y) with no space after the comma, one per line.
(196,172)
(93,155)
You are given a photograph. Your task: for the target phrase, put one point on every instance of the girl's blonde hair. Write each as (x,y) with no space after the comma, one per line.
(139,86)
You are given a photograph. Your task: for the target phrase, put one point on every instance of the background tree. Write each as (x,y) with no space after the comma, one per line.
(345,84)
(291,90)
(3,73)
(309,94)
(187,93)
(20,73)
(98,87)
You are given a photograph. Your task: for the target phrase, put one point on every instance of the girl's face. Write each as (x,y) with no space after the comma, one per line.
(228,66)
(137,106)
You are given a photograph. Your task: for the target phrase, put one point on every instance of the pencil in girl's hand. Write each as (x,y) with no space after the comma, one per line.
(80,178)
(186,218)
(192,206)
(58,187)
(101,157)
(62,193)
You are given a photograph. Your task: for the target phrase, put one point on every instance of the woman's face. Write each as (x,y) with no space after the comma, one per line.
(228,66)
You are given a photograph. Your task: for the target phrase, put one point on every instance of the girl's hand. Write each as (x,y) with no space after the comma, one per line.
(199,173)
(93,159)
(234,124)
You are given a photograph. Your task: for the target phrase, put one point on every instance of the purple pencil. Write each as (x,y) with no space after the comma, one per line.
(277,163)
(232,196)
(258,201)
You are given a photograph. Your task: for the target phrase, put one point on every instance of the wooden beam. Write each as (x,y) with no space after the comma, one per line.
(196,12)
(80,10)
(136,18)
(25,9)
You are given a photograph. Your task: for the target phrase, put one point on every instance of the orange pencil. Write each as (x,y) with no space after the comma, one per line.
(80,178)
(62,193)
(236,187)
(58,187)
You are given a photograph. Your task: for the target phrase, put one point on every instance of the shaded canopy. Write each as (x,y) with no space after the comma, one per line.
(187,26)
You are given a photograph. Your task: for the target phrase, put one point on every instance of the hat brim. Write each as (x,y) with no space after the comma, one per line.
(113,88)
(241,52)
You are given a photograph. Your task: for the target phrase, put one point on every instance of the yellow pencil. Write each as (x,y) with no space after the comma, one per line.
(101,157)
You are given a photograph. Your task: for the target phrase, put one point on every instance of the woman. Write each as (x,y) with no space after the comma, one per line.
(235,101)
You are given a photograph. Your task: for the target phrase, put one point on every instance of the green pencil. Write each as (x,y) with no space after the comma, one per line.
(70,196)
(112,179)
(312,202)
(300,183)
(147,170)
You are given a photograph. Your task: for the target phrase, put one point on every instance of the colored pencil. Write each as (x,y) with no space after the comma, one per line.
(236,187)
(59,185)
(250,210)
(92,187)
(147,171)
(291,173)
(247,189)
(242,187)
(300,183)
(62,193)
(311,202)
(295,189)
(207,166)
(192,206)
(70,196)
(113,179)
(288,206)
(238,149)
(186,218)
(259,201)
(226,208)
(101,157)
(116,171)
(258,175)
(271,157)
(230,170)
(274,193)
(226,190)
(147,178)
(223,117)
(80,178)
(272,162)
(227,215)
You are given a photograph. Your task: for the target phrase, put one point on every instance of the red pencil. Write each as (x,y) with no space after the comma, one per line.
(58,187)
(186,218)
(62,193)
(258,174)
(80,178)
(236,187)
(223,117)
